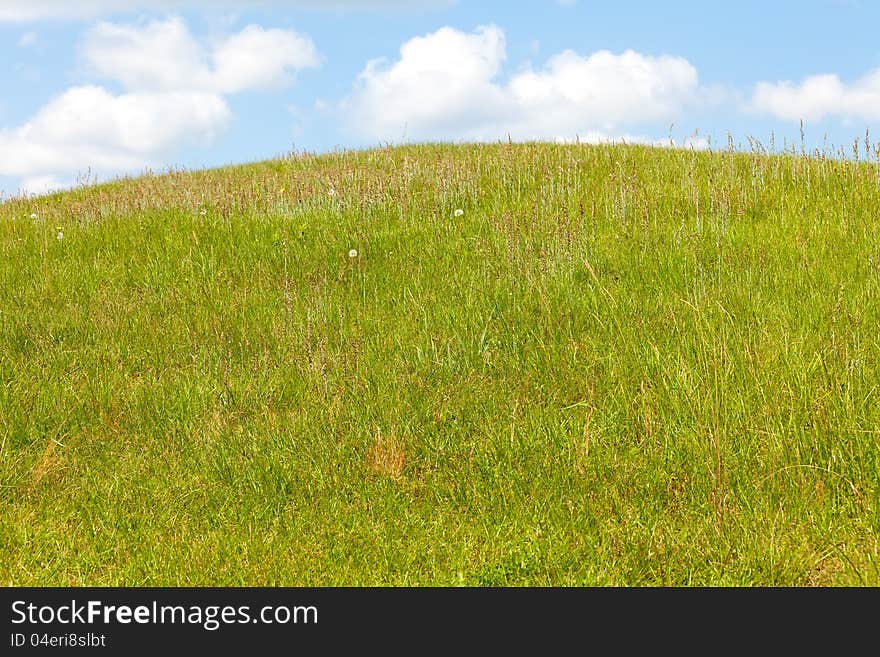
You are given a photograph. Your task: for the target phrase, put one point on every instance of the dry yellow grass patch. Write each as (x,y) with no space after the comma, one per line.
(386,456)
(47,465)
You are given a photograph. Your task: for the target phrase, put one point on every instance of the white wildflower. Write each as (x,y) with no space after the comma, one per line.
(60,235)
(353,253)
(33,215)
(458,212)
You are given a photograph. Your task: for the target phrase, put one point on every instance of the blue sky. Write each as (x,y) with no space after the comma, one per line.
(117,86)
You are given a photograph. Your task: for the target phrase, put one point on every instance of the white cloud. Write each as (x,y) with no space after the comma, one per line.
(89,127)
(693,142)
(41,185)
(241,61)
(30,10)
(820,96)
(603,89)
(442,82)
(175,95)
(447,85)
(164,56)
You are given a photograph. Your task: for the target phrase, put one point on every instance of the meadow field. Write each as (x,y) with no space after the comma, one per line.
(505,364)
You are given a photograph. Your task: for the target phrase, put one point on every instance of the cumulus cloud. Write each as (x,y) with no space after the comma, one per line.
(604,89)
(442,82)
(90,127)
(820,96)
(31,10)
(42,185)
(165,56)
(448,84)
(175,94)
(694,142)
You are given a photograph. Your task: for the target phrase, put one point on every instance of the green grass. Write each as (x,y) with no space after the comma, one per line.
(618,366)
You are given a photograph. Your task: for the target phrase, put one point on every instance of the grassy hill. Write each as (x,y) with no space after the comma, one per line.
(485,365)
